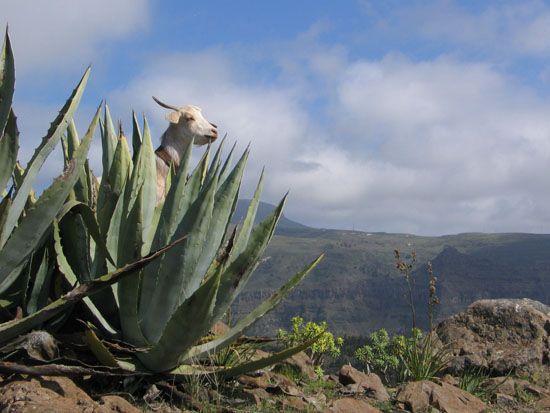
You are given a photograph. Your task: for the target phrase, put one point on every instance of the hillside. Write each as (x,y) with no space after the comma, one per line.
(357,289)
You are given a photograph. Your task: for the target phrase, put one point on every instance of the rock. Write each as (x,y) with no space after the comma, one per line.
(261,382)
(419,396)
(371,383)
(350,405)
(510,386)
(295,403)
(39,345)
(56,395)
(258,395)
(504,400)
(282,384)
(447,378)
(219,329)
(302,362)
(501,335)
(23,396)
(543,405)
(117,404)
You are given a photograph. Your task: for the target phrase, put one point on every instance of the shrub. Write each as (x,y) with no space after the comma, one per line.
(326,344)
(401,358)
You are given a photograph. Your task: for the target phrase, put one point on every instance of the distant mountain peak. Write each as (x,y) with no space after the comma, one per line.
(264,209)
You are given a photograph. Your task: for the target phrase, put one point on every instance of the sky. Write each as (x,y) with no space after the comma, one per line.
(424,117)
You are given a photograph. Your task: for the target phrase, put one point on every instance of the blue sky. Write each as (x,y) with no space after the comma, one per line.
(427,117)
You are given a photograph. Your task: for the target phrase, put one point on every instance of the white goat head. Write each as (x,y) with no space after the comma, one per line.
(187,122)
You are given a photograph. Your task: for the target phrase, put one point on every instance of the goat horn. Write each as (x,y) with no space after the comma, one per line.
(164,105)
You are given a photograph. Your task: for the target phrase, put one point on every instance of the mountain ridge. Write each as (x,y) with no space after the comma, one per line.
(358,278)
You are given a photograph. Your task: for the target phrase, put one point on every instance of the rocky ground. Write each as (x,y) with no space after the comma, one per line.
(509,338)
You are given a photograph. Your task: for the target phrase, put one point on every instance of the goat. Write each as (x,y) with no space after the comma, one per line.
(186,124)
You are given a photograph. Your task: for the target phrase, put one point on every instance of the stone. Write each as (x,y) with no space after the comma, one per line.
(254,382)
(351,405)
(258,395)
(511,386)
(501,335)
(303,363)
(56,395)
(295,403)
(543,405)
(117,404)
(22,396)
(371,383)
(419,396)
(504,400)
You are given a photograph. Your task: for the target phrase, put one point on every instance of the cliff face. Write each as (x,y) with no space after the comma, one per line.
(357,289)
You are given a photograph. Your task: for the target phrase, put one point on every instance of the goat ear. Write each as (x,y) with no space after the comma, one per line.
(173,117)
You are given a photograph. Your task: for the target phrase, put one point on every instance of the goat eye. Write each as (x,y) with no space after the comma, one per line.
(189,118)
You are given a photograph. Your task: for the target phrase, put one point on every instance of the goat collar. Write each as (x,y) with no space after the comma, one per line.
(163,154)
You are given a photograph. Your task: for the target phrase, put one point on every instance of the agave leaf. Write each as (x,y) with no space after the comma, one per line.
(41,280)
(7,81)
(112,184)
(177,200)
(81,189)
(143,173)
(113,234)
(128,289)
(92,226)
(239,271)
(99,350)
(226,165)
(108,141)
(225,201)
(9,146)
(174,207)
(179,279)
(5,205)
(248,320)
(14,328)
(72,280)
(77,244)
(136,136)
(267,361)
(188,324)
(216,161)
(57,129)
(149,186)
(246,229)
(27,235)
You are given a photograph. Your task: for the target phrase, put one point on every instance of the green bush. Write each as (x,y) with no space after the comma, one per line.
(401,358)
(326,344)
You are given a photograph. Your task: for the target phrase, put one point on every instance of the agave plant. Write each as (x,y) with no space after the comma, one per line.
(174,302)
(80,229)
(25,222)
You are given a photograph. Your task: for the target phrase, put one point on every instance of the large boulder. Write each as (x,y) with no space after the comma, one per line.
(502,335)
(421,396)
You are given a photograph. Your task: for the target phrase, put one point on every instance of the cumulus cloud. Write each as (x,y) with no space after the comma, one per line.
(520,28)
(429,147)
(58,34)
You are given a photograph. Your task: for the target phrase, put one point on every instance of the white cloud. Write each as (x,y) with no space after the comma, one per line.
(392,144)
(505,27)
(428,147)
(58,34)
